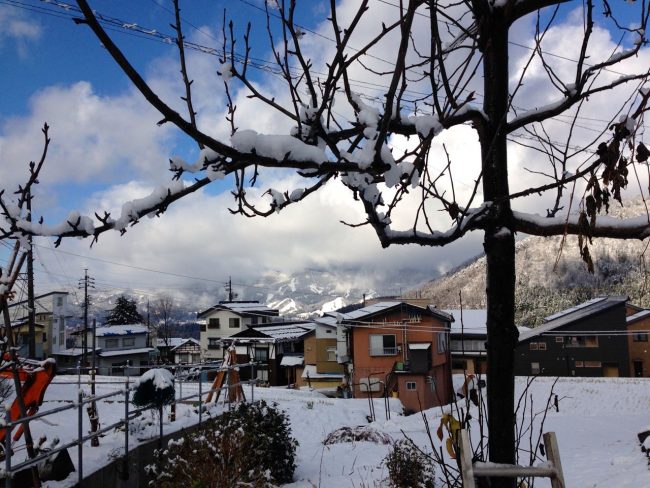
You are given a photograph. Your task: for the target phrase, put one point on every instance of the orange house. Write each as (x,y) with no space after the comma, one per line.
(638,325)
(400,349)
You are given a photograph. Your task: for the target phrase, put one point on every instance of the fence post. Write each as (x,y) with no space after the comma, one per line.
(80,430)
(553,455)
(126,427)
(252,382)
(200,399)
(8,447)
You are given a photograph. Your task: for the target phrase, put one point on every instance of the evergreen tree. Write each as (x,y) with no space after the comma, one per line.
(125,312)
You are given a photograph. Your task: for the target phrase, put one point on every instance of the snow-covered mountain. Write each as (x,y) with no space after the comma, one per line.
(551,276)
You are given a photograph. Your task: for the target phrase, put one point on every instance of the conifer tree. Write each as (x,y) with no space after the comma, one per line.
(125,312)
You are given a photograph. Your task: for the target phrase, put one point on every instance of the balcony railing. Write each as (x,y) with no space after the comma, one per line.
(383,351)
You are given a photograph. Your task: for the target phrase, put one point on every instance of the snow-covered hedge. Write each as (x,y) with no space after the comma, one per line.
(250,446)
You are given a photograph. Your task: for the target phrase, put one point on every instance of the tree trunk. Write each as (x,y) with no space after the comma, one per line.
(499,249)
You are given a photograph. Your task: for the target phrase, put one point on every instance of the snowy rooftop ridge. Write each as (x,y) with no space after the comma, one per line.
(129,329)
(638,316)
(577,313)
(284,332)
(580,306)
(241,308)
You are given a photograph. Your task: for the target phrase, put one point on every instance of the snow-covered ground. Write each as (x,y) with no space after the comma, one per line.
(596,429)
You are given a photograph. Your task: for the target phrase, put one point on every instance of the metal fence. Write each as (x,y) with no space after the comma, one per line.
(129,414)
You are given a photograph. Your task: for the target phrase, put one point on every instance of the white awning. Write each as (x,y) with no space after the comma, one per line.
(292,361)
(419,345)
(311,372)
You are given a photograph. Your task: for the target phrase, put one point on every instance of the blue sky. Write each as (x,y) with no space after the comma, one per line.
(107,149)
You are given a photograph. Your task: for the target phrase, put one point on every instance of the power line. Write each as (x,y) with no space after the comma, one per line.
(150,270)
(125,27)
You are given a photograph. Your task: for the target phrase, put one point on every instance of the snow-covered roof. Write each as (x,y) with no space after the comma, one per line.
(111,330)
(125,352)
(381,307)
(638,316)
(278,333)
(580,306)
(242,308)
(370,310)
(473,321)
(189,339)
(174,342)
(292,360)
(576,313)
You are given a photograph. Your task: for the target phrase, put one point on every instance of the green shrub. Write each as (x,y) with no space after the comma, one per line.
(408,467)
(250,446)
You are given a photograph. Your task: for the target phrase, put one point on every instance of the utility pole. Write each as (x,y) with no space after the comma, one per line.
(31,324)
(85,282)
(231,294)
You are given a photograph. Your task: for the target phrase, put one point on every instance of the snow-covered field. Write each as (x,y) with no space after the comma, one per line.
(596,429)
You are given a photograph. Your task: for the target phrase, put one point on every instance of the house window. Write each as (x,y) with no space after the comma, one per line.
(582,341)
(541,346)
(233,322)
(202,327)
(592,364)
(533,346)
(44,336)
(579,364)
(442,342)
(254,320)
(111,343)
(559,339)
(328,331)
(640,337)
(213,343)
(534,368)
(261,354)
(411,386)
(331,353)
(383,345)
(59,301)
(213,323)
(128,342)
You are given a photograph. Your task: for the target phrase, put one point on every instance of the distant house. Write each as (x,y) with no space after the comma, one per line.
(586,340)
(638,327)
(321,368)
(277,347)
(120,350)
(51,313)
(228,318)
(468,339)
(396,347)
(179,350)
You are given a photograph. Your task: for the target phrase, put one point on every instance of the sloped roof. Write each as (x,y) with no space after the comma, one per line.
(277,333)
(241,308)
(580,306)
(126,352)
(111,330)
(574,314)
(638,316)
(473,321)
(384,307)
(174,342)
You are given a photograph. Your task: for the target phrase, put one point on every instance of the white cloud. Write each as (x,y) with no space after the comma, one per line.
(18,28)
(114,141)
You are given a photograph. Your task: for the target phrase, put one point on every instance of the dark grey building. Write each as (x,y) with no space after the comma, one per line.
(586,340)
